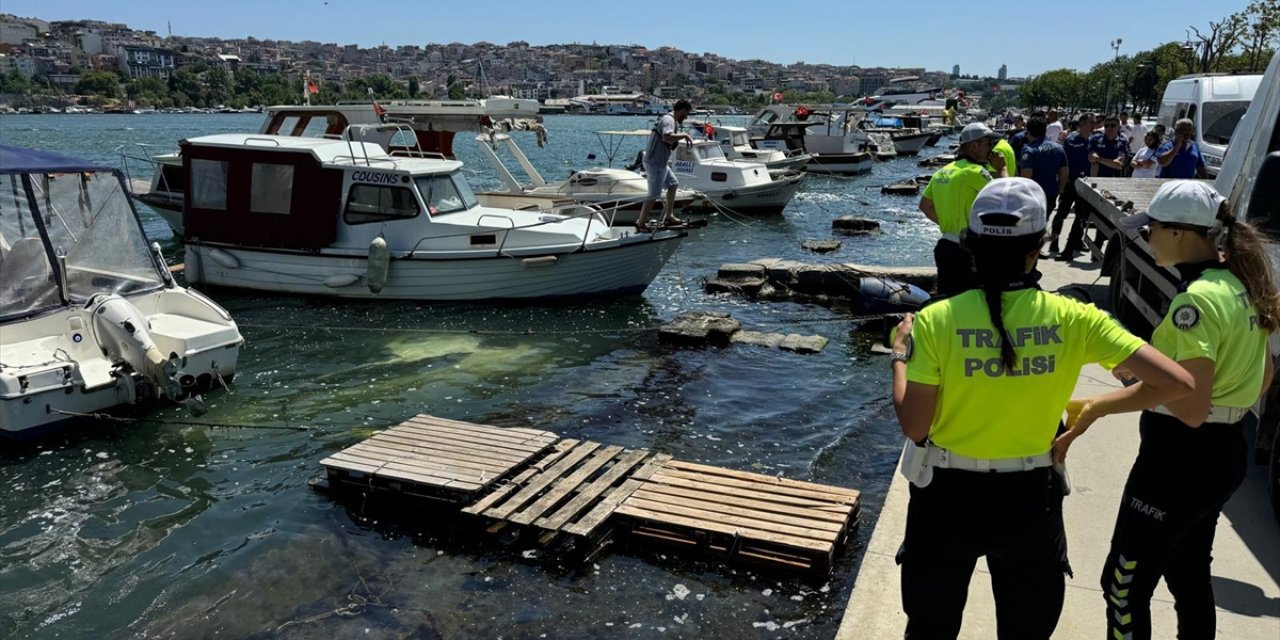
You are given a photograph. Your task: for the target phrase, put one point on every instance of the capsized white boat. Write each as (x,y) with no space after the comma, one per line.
(90,319)
(347,219)
(726,185)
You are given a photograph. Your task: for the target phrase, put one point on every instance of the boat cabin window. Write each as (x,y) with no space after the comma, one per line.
(709,152)
(311,125)
(209,184)
(271,188)
(740,139)
(446,193)
(376,203)
(28,282)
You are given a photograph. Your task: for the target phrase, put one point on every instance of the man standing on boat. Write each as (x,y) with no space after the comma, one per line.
(949,198)
(665,136)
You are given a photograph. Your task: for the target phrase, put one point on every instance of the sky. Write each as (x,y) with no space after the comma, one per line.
(934,34)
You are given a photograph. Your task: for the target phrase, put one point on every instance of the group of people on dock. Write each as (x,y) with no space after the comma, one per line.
(982,378)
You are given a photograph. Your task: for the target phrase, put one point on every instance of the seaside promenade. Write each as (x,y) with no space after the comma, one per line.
(1246,558)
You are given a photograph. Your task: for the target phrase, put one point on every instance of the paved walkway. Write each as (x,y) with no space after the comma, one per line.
(1246,568)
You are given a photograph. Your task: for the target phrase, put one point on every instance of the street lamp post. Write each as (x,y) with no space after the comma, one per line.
(1115,46)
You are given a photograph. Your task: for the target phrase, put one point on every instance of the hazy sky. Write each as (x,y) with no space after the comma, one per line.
(935,34)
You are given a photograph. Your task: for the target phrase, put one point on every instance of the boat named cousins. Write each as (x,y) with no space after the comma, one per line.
(348,219)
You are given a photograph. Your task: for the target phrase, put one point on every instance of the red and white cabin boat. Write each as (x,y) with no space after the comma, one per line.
(348,219)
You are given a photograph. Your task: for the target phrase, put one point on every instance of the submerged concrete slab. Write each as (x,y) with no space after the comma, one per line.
(1246,566)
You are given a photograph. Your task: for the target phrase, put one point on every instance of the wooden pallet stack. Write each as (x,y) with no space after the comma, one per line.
(581,493)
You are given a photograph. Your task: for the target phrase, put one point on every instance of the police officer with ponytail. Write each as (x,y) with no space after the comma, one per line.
(980,381)
(1193,454)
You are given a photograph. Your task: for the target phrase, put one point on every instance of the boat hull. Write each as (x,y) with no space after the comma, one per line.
(624,268)
(911,144)
(761,199)
(840,163)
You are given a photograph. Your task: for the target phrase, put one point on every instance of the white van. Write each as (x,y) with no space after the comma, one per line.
(1215,102)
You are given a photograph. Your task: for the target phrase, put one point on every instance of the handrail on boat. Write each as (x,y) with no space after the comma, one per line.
(264,141)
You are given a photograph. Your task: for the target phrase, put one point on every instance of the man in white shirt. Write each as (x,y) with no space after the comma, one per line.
(1136,133)
(1053,128)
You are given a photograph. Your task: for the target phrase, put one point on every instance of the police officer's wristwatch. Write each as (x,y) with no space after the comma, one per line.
(898,356)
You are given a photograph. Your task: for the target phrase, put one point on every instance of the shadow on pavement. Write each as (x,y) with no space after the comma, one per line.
(1244,598)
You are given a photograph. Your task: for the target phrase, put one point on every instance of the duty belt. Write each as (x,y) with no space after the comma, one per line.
(943,459)
(1217,415)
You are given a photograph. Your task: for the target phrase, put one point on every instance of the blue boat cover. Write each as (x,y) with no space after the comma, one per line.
(883,121)
(22,160)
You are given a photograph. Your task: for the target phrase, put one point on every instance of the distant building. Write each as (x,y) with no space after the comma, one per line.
(145,62)
(13,32)
(1003,73)
(955,71)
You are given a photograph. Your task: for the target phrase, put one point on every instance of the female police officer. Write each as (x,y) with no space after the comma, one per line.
(980,380)
(1193,452)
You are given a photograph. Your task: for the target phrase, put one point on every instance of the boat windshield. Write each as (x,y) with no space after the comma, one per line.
(87,217)
(446,193)
(739,139)
(709,152)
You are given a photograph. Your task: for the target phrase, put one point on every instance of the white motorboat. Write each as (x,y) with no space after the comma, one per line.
(620,193)
(726,185)
(348,219)
(736,144)
(826,132)
(90,319)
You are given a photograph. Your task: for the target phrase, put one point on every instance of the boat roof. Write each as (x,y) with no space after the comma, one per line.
(627,132)
(327,151)
(22,160)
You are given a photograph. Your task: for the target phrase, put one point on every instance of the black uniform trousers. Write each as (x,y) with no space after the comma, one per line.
(1168,513)
(1015,520)
(955,269)
(1066,202)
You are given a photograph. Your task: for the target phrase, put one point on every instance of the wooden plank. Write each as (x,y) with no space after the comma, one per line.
(394,471)
(475,439)
(696,484)
(777,490)
(427,418)
(345,465)
(449,449)
(831,513)
(850,495)
(490,451)
(481,474)
(505,437)
(666,509)
(516,482)
(566,484)
(609,503)
(592,491)
(430,476)
(744,507)
(539,482)
(694,523)
(512,437)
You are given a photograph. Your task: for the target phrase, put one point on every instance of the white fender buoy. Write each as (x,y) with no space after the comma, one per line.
(379,263)
(223,258)
(337,281)
(540,261)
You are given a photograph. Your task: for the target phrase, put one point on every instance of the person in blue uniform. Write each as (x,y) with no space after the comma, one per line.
(1108,150)
(1077,147)
(1180,157)
(980,381)
(1193,454)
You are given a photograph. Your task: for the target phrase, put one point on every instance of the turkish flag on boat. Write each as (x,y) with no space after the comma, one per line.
(378,110)
(312,87)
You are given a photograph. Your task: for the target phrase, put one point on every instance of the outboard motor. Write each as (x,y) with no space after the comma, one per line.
(124,335)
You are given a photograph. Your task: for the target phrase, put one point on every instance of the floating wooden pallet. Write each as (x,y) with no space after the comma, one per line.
(573,492)
(583,491)
(742,516)
(436,458)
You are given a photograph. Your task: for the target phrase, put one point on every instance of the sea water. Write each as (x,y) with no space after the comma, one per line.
(175,528)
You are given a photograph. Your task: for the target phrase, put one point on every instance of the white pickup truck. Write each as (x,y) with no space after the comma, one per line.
(1141,290)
